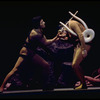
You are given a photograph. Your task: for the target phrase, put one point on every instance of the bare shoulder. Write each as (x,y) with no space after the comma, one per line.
(33,33)
(73,23)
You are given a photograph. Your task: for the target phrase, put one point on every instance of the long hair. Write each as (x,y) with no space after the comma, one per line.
(36,22)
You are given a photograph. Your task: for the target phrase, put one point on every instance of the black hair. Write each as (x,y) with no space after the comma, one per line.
(36,21)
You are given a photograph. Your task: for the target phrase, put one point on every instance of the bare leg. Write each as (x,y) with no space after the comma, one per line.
(75,64)
(77,59)
(39,61)
(19,61)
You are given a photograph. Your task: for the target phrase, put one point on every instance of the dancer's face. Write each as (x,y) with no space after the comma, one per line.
(42,23)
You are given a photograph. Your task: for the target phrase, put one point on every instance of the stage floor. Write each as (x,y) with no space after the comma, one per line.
(91,93)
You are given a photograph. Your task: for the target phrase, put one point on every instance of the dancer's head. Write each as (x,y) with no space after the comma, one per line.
(37,22)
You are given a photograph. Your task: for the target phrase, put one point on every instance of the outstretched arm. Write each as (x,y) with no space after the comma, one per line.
(91,79)
(49,41)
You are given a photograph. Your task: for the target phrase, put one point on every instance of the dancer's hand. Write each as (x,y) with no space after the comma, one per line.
(84,53)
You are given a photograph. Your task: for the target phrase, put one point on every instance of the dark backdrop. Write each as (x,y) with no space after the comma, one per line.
(15,21)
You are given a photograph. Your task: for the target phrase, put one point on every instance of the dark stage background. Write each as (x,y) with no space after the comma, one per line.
(15,21)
